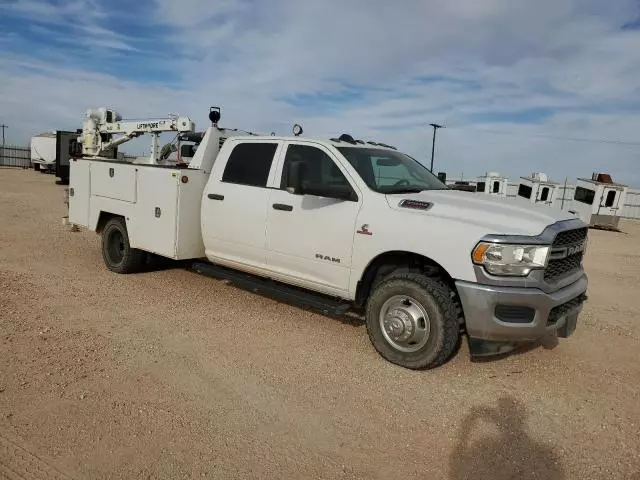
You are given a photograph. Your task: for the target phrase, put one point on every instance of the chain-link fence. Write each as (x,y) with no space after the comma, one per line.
(14,156)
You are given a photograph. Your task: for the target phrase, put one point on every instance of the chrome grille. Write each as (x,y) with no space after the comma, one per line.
(559,267)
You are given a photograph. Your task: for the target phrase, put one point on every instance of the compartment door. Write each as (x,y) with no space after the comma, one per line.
(79,182)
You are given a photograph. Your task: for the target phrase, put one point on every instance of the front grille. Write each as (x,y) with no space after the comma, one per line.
(569,237)
(558,312)
(559,267)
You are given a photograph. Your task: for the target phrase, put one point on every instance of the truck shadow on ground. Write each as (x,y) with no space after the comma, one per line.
(505,451)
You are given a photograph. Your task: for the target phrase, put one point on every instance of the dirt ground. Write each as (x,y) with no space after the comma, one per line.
(168,374)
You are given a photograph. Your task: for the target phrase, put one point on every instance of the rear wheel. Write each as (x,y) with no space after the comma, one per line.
(118,255)
(412,320)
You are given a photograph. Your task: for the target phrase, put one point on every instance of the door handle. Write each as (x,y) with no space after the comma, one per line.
(282,206)
(215,196)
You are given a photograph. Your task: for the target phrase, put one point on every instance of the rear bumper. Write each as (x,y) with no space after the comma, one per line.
(540,315)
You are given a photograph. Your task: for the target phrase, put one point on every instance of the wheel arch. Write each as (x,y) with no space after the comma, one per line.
(104,217)
(385,263)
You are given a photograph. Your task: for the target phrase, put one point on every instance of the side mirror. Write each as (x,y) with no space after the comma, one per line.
(294,178)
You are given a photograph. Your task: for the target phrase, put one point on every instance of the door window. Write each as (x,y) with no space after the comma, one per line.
(480,187)
(611,196)
(496,187)
(319,168)
(545,194)
(249,164)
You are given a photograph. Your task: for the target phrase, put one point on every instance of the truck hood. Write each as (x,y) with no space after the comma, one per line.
(499,215)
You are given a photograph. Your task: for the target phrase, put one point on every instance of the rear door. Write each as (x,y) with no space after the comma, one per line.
(310,238)
(234,205)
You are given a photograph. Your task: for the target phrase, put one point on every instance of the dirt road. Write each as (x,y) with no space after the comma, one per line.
(168,374)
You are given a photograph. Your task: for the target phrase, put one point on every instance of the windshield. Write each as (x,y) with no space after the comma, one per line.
(387,171)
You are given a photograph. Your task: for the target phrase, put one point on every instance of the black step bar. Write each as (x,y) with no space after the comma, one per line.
(270,288)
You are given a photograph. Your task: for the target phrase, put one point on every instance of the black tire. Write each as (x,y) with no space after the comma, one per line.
(118,255)
(437,301)
(36,167)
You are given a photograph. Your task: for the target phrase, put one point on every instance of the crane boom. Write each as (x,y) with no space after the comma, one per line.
(102,124)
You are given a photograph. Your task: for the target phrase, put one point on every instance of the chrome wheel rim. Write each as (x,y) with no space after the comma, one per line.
(404,323)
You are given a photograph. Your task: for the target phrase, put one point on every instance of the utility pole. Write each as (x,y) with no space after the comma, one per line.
(433,145)
(3,126)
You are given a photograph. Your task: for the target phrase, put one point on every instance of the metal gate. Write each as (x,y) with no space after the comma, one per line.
(13,156)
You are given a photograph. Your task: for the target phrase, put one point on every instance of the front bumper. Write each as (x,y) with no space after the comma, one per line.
(479,304)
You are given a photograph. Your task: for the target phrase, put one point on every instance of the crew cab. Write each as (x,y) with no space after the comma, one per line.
(360,225)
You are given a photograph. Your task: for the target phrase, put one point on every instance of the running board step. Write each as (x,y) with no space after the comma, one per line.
(279,291)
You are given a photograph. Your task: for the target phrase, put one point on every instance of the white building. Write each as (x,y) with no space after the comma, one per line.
(492,184)
(539,189)
(599,201)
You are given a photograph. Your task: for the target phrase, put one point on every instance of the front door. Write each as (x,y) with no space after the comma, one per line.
(310,238)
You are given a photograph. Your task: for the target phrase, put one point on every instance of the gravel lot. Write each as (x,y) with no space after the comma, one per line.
(168,374)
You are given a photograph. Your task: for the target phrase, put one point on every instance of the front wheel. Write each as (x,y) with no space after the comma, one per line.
(412,321)
(118,255)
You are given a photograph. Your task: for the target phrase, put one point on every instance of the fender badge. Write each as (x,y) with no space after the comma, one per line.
(364,230)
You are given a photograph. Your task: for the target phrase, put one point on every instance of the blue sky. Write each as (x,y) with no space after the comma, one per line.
(521,86)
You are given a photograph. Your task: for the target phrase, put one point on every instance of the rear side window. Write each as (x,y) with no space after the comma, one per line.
(584,195)
(524,191)
(249,164)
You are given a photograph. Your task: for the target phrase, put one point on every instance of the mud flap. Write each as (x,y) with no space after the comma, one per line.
(488,348)
(569,326)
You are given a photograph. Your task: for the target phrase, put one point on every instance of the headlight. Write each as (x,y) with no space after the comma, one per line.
(510,260)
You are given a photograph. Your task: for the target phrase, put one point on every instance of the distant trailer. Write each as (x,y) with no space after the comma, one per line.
(63,142)
(43,152)
(538,189)
(599,201)
(50,153)
(492,184)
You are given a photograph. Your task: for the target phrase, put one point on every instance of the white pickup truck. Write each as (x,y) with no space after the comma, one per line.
(343,224)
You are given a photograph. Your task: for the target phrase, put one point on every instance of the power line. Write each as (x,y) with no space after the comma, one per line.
(561,137)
